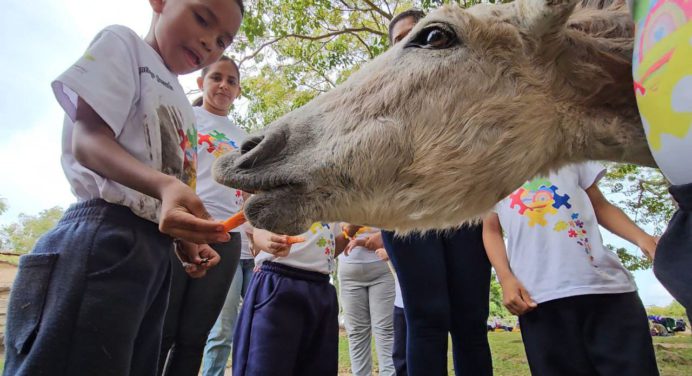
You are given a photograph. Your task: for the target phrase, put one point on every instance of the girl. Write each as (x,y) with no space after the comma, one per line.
(194,304)
(367,296)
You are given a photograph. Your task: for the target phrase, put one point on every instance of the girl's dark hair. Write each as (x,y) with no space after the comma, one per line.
(414,13)
(198,101)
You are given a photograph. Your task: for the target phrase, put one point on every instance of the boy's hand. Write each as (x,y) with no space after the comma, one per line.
(648,245)
(183,216)
(197,259)
(272,243)
(515,297)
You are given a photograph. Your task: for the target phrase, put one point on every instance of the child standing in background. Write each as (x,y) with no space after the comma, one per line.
(195,303)
(90,298)
(288,324)
(578,306)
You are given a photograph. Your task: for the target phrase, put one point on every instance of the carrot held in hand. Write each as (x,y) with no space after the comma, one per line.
(294,239)
(234,221)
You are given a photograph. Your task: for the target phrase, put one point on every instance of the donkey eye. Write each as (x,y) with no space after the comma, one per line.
(434,37)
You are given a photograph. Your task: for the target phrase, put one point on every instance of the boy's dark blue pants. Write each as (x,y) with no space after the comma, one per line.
(673,260)
(287,325)
(445,284)
(90,298)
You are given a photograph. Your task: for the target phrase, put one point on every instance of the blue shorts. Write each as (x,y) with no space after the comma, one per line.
(90,298)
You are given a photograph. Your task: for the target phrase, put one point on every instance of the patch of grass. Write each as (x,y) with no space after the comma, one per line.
(674,355)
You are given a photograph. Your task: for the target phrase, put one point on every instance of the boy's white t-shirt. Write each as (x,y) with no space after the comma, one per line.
(315,254)
(361,255)
(216,136)
(127,84)
(554,245)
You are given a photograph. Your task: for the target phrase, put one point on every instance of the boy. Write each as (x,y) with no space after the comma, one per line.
(90,298)
(579,309)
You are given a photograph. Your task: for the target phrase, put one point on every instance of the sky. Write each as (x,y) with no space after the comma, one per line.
(39,39)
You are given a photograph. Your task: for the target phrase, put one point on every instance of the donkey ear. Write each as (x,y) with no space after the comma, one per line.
(541,18)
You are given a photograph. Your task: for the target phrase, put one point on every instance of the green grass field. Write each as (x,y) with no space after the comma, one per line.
(674,355)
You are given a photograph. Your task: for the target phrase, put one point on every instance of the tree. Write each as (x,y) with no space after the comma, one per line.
(3,205)
(20,237)
(291,51)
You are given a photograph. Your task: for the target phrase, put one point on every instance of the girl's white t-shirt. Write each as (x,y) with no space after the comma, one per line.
(554,245)
(127,84)
(216,136)
(361,255)
(315,254)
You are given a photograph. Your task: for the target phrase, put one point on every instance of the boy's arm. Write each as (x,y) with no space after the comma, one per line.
(617,222)
(514,295)
(182,213)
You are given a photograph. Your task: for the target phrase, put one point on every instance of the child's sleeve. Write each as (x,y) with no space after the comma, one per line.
(106,77)
(590,173)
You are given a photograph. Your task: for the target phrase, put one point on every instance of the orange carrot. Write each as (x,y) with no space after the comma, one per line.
(234,221)
(295,239)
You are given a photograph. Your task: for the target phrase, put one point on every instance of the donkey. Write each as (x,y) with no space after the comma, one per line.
(435,131)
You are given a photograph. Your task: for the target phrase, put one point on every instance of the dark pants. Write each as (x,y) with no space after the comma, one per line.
(399,348)
(288,324)
(445,285)
(673,261)
(194,305)
(606,334)
(90,298)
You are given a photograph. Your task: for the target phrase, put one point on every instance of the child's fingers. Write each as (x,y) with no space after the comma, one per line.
(526,298)
(180,224)
(283,253)
(281,239)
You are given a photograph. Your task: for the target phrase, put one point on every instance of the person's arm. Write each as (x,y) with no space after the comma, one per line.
(514,295)
(617,222)
(182,213)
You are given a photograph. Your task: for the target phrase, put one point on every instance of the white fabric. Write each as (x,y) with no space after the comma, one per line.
(216,136)
(126,82)
(554,245)
(398,299)
(316,253)
(361,255)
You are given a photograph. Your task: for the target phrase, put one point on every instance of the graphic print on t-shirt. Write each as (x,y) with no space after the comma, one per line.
(661,67)
(539,198)
(217,144)
(173,140)
(322,242)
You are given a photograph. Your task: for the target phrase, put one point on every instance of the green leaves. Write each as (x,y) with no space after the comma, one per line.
(20,237)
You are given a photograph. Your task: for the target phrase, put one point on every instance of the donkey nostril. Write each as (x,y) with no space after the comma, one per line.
(261,149)
(250,143)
